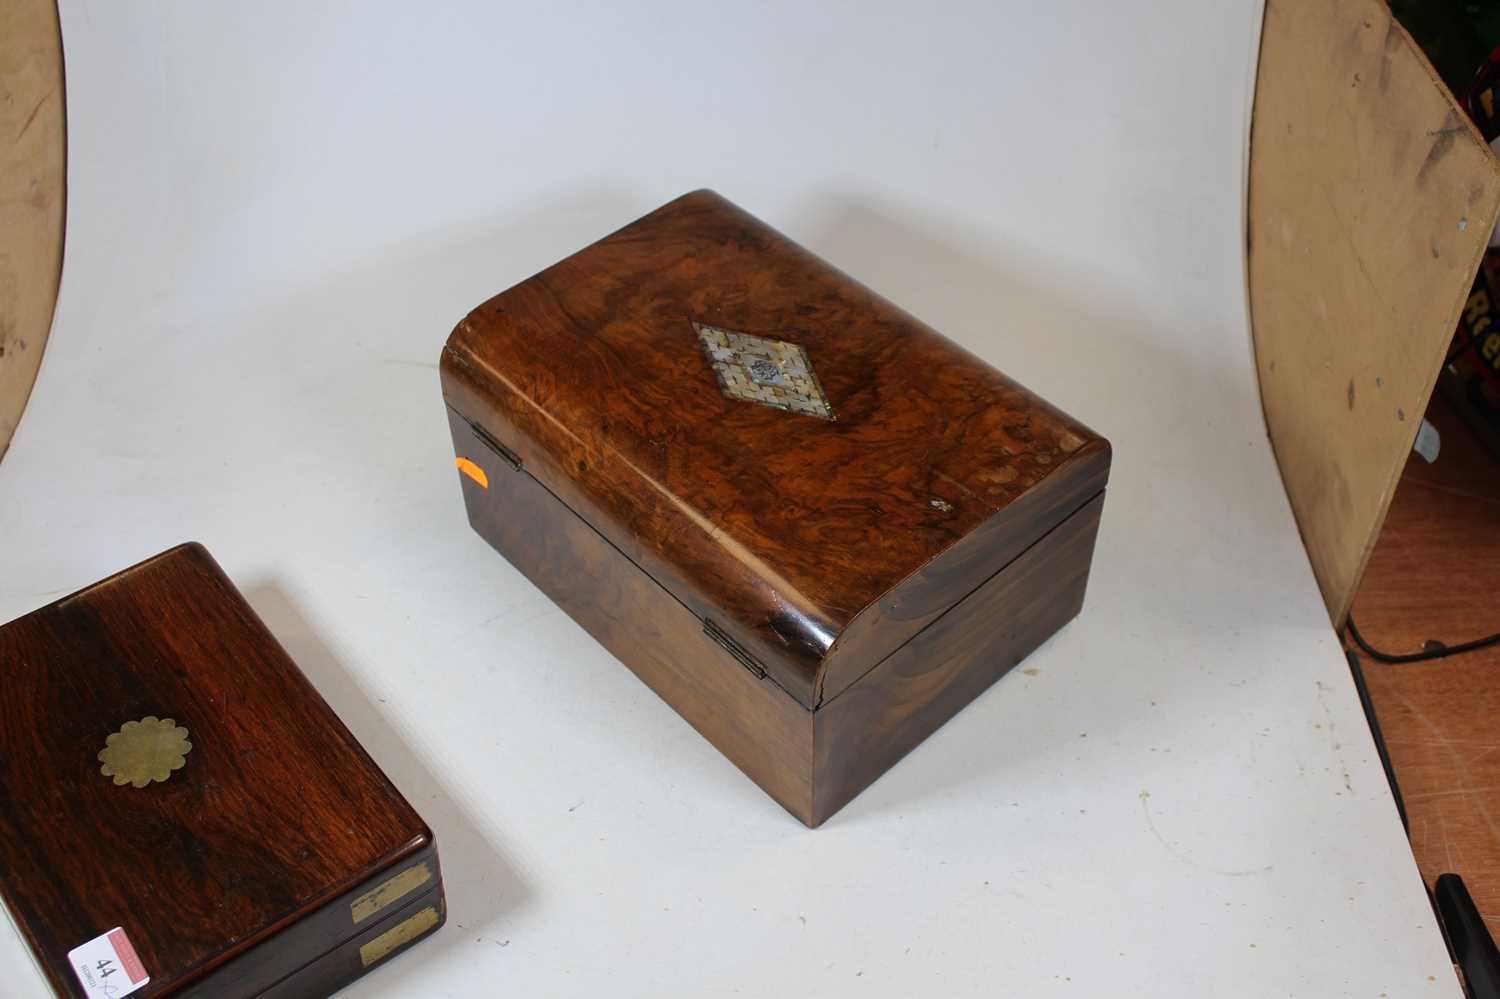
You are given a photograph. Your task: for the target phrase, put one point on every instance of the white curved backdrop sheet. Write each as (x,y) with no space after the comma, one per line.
(277,212)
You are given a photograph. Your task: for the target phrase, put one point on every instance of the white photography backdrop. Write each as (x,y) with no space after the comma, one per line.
(277,212)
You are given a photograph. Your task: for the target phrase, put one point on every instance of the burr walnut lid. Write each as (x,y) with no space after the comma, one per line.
(800,462)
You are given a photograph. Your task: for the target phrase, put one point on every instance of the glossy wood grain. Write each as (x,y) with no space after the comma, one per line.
(413,922)
(813,543)
(928,594)
(242,866)
(757,725)
(812,762)
(866,730)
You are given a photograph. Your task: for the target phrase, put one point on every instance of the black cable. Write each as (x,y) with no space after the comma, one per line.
(1365,702)
(1468,938)
(1418,657)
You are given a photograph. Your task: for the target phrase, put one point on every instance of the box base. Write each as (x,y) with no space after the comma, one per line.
(868,728)
(812,762)
(412,923)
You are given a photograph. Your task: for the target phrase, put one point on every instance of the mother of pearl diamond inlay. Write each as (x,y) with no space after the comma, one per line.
(771,372)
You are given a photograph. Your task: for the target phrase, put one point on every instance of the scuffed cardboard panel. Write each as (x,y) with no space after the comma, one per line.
(32,168)
(1371,199)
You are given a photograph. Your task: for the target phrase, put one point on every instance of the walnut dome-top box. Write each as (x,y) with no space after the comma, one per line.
(181,814)
(813,525)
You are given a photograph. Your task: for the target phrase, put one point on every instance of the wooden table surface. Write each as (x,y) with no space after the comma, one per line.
(1434,575)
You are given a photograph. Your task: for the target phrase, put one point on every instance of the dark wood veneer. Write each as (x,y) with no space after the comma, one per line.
(868,728)
(860,578)
(788,528)
(237,870)
(759,727)
(344,963)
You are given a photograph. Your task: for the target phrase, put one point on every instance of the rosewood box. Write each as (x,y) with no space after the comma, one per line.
(813,525)
(181,814)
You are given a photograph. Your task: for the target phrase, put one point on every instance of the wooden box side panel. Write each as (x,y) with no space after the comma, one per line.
(929,594)
(276,811)
(369,904)
(782,526)
(759,727)
(866,730)
(638,525)
(375,945)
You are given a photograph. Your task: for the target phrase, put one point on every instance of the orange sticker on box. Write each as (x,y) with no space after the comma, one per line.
(473,471)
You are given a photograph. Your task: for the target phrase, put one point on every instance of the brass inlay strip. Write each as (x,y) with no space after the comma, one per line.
(398,936)
(396,888)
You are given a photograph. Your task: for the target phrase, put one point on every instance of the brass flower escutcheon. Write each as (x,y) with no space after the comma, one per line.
(145,751)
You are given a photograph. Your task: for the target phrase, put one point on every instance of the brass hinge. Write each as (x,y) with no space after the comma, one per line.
(729,645)
(505,454)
